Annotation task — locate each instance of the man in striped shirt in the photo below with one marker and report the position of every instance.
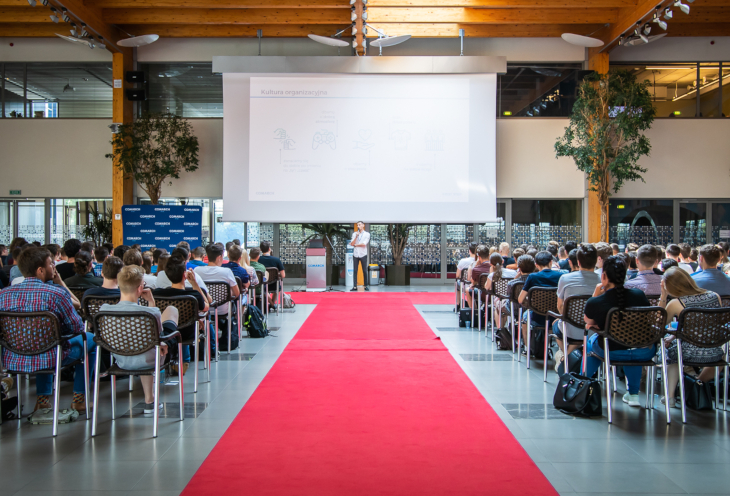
(35, 294)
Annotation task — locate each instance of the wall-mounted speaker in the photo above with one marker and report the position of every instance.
(136, 95)
(134, 76)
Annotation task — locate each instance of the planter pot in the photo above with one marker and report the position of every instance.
(334, 275)
(397, 275)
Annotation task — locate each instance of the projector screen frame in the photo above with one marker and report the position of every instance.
(323, 66)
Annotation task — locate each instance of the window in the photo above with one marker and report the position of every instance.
(6, 222)
(693, 223)
(641, 222)
(458, 237)
(720, 222)
(536, 222)
(494, 233)
(69, 218)
(538, 90)
(184, 89)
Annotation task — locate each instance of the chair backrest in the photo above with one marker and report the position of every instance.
(187, 308)
(636, 327)
(219, 291)
(574, 310)
(465, 275)
(483, 280)
(500, 286)
(29, 333)
(704, 327)
(653, 299)
(516, 290)
(239, 282)
(543, 300)
(92, 304)
(126, 333)
(260, 277)
(78, 292)
(273, 275)
(725, 300)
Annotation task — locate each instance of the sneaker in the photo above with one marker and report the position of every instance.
(353, 289)
(367, 288)
(149, 408)
(558, 359)
(631, 399)
(672, 402)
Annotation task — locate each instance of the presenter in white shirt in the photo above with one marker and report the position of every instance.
(360, 242)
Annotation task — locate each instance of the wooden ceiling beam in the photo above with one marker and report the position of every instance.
(95, 24)
(505, 4)
(220, 16)
(492, 16)
(216, 4)
(708, 29)
(232, 30)
(31, 30)
(241, 4)
(451, 30)
(25, 14)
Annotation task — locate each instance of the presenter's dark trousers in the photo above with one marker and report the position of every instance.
(364, 262)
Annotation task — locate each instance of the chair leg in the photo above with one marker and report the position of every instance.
(131, 383)
(607, 364)
(114, 396)
(20, 396)
(613, 372)
(472, 308)
(494, 307)
(207, 348)
(230, 323)
(86, 376)
(664, 381)
(681, 381)
(519, 335)
(545, 357)
(180, 385)
(512, 324)
(197, 357)
(97, 368)
(528, 335)
(239, 318)
(717, 388)
(585, 351)
(57, 391)
(215, 329)
(156, 401)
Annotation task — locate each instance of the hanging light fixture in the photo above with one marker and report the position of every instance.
(668, 13)
(682, 6)
(658, 20)
(54, 15)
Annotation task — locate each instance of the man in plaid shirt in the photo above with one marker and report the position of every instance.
(36, 295)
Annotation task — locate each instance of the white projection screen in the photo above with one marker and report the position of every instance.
(375, 147)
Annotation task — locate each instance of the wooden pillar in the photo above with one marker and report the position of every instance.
(359, 25)
(122, 114)
(597, 61)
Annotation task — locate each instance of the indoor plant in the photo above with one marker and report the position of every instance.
(397, 274)
(328, 233)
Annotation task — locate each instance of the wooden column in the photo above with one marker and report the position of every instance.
(598, 62)
(122, 114)
(359, 25)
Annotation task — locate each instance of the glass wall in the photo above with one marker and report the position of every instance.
(538, 90)
(458, 237)
(422, 252)
(494, 233)
(720, 222)
(69, 218)
(641, 222)
(184, 89)
(693, 223)
(7, 217)
(31, 224)
(536, 222)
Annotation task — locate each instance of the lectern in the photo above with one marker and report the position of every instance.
(316, 266)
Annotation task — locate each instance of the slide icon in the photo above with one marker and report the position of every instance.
(324, 138)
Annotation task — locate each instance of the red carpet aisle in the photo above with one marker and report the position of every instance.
(417, 298)
(367, 403)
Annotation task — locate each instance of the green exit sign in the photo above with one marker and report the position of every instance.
(14, 191)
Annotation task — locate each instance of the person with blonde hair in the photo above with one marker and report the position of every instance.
(492, 249)
(679, 284)
(246, 264)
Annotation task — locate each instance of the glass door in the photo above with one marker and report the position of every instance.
(7, 215)
(720, 222)
(31, 220)
(693, 223)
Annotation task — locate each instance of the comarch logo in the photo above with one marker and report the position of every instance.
(192, 223)
(160, 209)
(177, 216)
(315, 265)
(147, 231)
(137, 238)
(192, 210)
(190, 238)
(146, 216)
(132, 209)
(162, 239)
(132, 223)
(177, 231)
(162, 223)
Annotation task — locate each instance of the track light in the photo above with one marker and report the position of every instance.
(54, 15)
(32, 3)
(64, 15)
(74, 31)
(647, 29)
(365, 15)
(529, 113)
(543, 105)
(353, 16)
(84, 32)
(620, 40)
(68, 87)
(658, 21)
(668, 13)
(101, 44)
(682, 6)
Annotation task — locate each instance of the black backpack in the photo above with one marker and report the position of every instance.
(575, 362)
(503, 339)
(464, 317)
(254, 323)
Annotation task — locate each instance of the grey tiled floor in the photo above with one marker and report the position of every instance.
(638, 454)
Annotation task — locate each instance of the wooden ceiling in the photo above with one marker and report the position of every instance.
(607, 19)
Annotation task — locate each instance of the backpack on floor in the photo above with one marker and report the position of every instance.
(575, 362)
(537, 341)
(503, 339)
(288, 302)
(254, 323)
(464, 317)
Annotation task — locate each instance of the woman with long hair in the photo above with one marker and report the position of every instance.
(246, 264)
(84, 269)
(680, 285)
(610, 293)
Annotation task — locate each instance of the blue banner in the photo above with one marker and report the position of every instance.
(162, 226)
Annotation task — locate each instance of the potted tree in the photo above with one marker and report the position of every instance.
(397, 274)
(605, 135)
(99, 226)
(154, 149)
(328, 233)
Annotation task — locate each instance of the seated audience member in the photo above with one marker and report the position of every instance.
(646, 279)
(582, 282)
(120, 250)
(525, 267)
(465, 262)
(611, 293)
(724, 264)
(674, 252)
(147, 263)
(109, 247)
(573, 260)
(255, 254)
(16, 277)
(178, 274)
(563, 259)
(569, 246)
(482, 266)
(604, 251)
(197, 256)
(694, 257)
(70, 248)
(62, 257)
(632, 247)
(161, 263)
(133, 257)
(3, 254)
(667, 263)
(553, 250)
(492, 249)
(633, 268)
(131, 287)
(496, 270)
(532, 251)
(137, 247)
(680, 285)
(88, 246)
(710, 277)
(545, 278)
(504, 251)
(100, 254)
(156, 254)
(235, 253)
(615, 248)
(215, 271)
(237, 242)
(662, 252)
(164, 282)
(685, 262)
(54, 250)
(35, 295)
(84, 278)
(110, 269)
(246, 264)
(268, 260)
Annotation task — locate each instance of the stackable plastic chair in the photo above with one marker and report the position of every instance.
(78, 292)
(476, 299)
(514, 295)
(704, 328)
(539, 300)
(725, 301)
(35, 333)
(635, 327)
(500, 286)
(573, 312)
(462, 284)
(274, 280)
(220, 292)
(188, 316)
(239, 306)
(131, 334)
(262, 285)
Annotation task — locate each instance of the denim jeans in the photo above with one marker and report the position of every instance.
(633, 374)
(44, 382)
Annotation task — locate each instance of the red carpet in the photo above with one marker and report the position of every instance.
(385, 415)
(417, 298)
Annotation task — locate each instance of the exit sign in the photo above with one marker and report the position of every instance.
(14, 191)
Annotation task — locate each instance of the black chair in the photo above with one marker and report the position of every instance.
(540, 300)
(35, 333)
(220, 292)
(725, 301)
(704, 328)
(274, 279)
(239, 306)
(573, 312)
(131, 334)
(78, 292)
(188, 316)
(499, 289)
(476, 301)
(260, 286)
(514, 295)
(635, 327)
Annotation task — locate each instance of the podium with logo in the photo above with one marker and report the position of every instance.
(316, 266)
(162, 226)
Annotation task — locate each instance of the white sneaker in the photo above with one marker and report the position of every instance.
(559, 355)
(672, 402)
(631, 399)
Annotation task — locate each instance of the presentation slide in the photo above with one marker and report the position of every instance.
(374, 147)
(305, 132)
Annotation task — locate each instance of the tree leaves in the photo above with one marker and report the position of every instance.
(398, 237)
(153, 148)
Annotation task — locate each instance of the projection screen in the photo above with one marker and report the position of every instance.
(332, 147)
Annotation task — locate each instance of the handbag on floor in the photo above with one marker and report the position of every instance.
(578, 395)
(503, 339)
(464, 317)
(697, 394)
(288, 302)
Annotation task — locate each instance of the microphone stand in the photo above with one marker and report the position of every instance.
(330, 289)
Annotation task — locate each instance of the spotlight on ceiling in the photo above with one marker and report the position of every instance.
(668, 13)
(54, 15)
(647, 29)
(682, 6)
(326, 40)
(101, 44)
(32, 3)
(68, 87)
(84, 32)
(82, 41)
(529, 113)
(64, 15)
(138, 41)
(74, 31)
(579, 40)
(658, 21)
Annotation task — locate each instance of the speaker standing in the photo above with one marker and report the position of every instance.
(360, 242)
